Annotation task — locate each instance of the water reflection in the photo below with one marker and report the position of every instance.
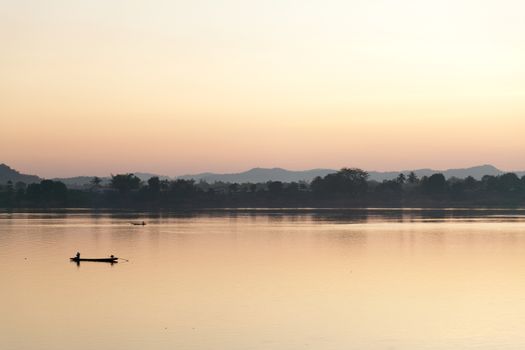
(344, 215)
(260, 279)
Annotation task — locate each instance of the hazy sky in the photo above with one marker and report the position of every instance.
(173, 87)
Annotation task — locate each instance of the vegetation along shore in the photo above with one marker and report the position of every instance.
(348, 187)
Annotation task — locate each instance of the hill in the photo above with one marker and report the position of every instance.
(9, 174)
(476, 172)
(259, 175)
(279, 174)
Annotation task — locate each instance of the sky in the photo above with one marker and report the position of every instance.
(175, 87)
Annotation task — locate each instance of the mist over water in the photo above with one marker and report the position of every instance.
(264, 279)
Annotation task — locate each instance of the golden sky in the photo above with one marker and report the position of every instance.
(173, 87)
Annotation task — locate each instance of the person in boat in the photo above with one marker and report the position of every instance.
(112, 256)
(78, 255)
(143, 223)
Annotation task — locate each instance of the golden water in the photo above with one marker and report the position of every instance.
(264, 280)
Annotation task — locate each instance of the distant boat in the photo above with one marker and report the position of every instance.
(107, 260)
(139, 223)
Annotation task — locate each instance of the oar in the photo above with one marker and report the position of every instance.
(123, 259)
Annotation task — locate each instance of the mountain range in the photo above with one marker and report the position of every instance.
(259, 175)
(6, 174)
(279, 174)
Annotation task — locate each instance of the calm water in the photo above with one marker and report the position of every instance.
(264, 280)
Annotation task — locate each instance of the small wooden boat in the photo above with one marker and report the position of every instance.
(107, 260)
(139, 223)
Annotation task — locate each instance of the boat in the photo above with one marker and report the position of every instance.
(107, 260)
(139, 223)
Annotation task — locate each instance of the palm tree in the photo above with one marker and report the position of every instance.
(96, 181)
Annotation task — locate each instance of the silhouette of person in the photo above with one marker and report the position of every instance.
(78, 255)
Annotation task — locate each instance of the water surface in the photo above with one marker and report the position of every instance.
(365, 279)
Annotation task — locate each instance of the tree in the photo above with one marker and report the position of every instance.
(436, 183)
(348, 181)
(164, 185)
(389, 187)
(20, 188)
(401, 178)
(124, 183)
(53, 190)
(353, 180)
(10, 192)
(317, 185)
(275, 187)
(233, 188)
(154, 184)
(470, 183)
(20, 185)
(508, 182)
(9, 187)
(355, 175)
(183, 188)
(95, 182)
(412, 178)
(490, 183)
(293, 187)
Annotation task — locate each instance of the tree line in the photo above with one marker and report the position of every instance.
(349, 187)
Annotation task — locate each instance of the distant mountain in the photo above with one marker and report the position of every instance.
(261, 175)
(258, 175)
(9, 174)
(476, 172)
(279, 174)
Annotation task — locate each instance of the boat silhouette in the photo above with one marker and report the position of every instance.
(112, 260)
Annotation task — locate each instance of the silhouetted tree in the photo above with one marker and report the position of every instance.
(183, 188)
(20, 185)
(47, 192)
(125, 182)
(401, 178)
(470, 183)
(490, 183)
(412, 178)
(436, 183)
(53, 190)
(346, 181)
(354, 180)
(233, 188)
(457, 187)
(333, 189)
(508, 182)
(20, 188)
(275, 187)
(164, 185)
(389, 187)
(10, 191)
(154, 184)
(96, 181)
(292, 187)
